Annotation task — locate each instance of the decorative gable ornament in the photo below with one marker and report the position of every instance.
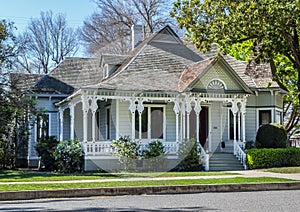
(216, 84)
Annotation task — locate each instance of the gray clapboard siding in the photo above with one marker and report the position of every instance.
(170, 123)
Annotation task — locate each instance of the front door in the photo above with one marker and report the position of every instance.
(203, 125)
(203, 131)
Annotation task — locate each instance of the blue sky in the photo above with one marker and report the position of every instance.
(20, 11)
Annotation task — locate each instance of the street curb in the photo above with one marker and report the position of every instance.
(148, 190)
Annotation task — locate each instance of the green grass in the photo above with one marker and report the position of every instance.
(26, 176)
(52, 186)
(285, 170)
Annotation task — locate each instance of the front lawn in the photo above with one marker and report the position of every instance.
(31, 176)
(52, 186)
(285, 170)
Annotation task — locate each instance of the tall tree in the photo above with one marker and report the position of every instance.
(13, 105)
(110, 26)
(46, 42)
(272, 26)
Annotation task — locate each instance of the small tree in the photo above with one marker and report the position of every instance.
(45, 148)
(69, 156)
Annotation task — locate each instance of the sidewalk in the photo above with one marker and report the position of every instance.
(150, 190)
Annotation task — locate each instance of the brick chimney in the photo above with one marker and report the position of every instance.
(137, 35)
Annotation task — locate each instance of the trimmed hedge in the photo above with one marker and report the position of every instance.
(270, 157)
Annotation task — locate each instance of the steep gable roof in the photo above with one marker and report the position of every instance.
(199, 75)
(155, 65)
(51, 85)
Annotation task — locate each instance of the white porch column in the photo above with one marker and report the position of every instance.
(71, 106)
(132, 109)
(183, 114)
(197, 110)
(94, 108)
(176, 109)
(85, 113)
(188, 111)
(61, 122)
(140, 109)
(243, 111)
(234, 109)
(239, 125)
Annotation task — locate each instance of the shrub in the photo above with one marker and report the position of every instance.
(45, 149)
(69, 156)
(126, 150)
(154, 155)
(271, 136)
(189, 156)
(268, 158)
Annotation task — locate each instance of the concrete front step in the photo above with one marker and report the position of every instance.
(224, 162)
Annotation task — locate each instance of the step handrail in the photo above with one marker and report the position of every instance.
(239, 153)
(205, 157)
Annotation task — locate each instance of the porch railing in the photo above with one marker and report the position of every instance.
(239, 153)
(100, 148)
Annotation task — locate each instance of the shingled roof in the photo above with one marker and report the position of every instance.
(159, 63)
(155, 65)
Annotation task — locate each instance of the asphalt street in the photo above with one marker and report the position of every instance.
(287, 200)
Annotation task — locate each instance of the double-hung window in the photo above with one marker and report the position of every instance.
(152, 122)
(42, 126)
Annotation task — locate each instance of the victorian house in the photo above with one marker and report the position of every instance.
(162, 90)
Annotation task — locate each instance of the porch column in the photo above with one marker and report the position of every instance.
(85, 113)
(140, 109)
(94, 108)
(183, 113)
(234, 109)
(132, 109)
(176, 109)
(61, 127)
(71, 106)
(243, 111)
(188, 111)
(239, 125)
(197, 110)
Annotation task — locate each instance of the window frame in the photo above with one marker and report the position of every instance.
(258, 115)
(38, 128)
(149, 130)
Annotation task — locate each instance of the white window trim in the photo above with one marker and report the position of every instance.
(272, 109)
(281, 111)
(149, 122)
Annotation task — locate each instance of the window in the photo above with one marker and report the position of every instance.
(152, 119)
(42, 126)
(264, 117)
(278, 116)
(107, 123)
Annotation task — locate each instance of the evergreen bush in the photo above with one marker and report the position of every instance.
(189, 156)
(271, 136)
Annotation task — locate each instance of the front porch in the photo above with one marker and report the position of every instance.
(96, 118)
